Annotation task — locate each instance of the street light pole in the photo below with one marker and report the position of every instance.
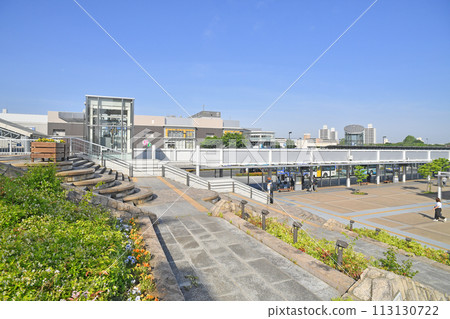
(289, 140)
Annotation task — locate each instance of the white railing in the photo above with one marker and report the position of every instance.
(279, 157)
(10, 146)
(218, 185)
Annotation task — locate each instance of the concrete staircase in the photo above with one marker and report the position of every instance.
(91, 176)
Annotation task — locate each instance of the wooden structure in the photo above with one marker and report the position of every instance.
(49, 150)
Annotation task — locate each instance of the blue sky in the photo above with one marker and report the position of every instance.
(392, 69)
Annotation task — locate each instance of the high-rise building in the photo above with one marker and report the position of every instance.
(370, 135)
(333, 134)
(324, 133)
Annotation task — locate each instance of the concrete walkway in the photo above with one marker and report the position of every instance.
(213, 260)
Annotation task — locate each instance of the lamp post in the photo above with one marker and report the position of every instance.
(297, 226)
(340, 246)
(289, 140)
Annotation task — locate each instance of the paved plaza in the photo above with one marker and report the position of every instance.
(402, 209)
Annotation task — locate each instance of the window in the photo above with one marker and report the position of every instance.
(59, 132)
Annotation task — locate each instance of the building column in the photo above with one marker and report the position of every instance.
(197, 166)
(348, 176)
(378, 174)
(404, 174)
(439, 184)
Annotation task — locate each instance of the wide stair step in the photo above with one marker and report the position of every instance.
(100, 170)
(105, 180)
(76, 175)
(140, 197)
(79, 163)
(118, 191)
(88, 164)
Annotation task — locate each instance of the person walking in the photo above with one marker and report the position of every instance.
(270, 189)
(314, 184)
(438, 211)
(291, 181)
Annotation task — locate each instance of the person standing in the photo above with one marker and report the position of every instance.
(291, 180)
(438, 211)
(368, 177)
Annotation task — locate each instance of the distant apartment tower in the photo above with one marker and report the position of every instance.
(370, 136)
(333, 134)
(324, 133)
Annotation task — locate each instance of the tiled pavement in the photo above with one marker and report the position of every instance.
(213, 260)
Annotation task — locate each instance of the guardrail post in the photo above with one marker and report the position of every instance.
(209, 186)
(130, 170)
(232, 186)
(251, 193)
(163, 170)
(187, 179)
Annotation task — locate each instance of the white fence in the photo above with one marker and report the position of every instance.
(278, 157)
(218, 185)
(9, 146)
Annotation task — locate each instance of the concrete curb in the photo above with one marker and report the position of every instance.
(166, 284)
(329, 275)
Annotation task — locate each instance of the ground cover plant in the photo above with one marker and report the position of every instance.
(353, 264)
(53, 249)
(412, 246)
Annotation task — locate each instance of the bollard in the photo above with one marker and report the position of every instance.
(296, 226)
(264, 213)
(377, 230)
(351, 224)
(340, 246)
(243, 202)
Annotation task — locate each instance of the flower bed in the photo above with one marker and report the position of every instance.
(53, 249)
(412, 246)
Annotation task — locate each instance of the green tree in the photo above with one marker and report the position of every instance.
(234, 140)
(360, 173)
(430, 169)
(211, 142)
(342, 141)
(290, 144)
